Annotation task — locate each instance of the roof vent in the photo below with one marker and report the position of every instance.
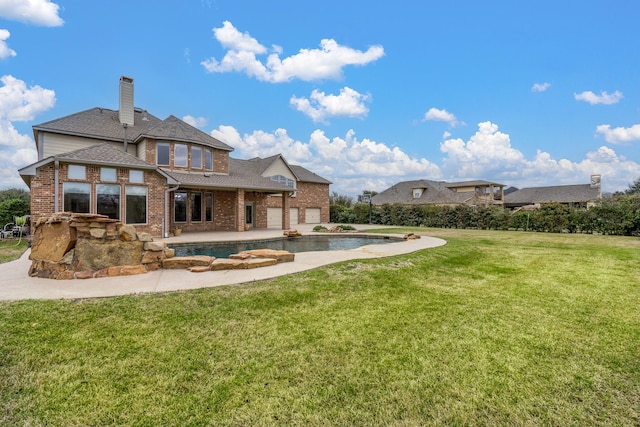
(126, 101)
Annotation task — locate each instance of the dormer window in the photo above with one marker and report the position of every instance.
(417, 193)
(283, 180)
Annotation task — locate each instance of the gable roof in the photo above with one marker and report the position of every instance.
(102, 154)
(434, 192)
(104, 124)
(559, 194)
(474, 183)
(174, 129)
(259, 166)
(99, 123)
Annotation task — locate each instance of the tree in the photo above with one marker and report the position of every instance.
(15, 193)
(340, 200)
(634, 188)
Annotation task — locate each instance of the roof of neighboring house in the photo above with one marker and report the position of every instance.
(475, 183)
(104, 124)
(102, 154)
(558, 194)
(434, 192)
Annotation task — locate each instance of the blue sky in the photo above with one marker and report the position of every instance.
(364, 93)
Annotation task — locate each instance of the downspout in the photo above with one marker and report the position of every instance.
(56, 179)
(165, 232)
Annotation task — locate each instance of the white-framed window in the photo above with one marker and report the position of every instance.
(196, 206)
(196, 157)
(136, 204)
(136, 176)
(77, 172)
(417, 193)
(208, 159)
(180, 206)
(162, 153)
(108, 174)
(77, 197)
(208, 207)
(180, 154)
(283, 180)
(108, 200)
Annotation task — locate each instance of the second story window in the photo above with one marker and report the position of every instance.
(283, 180)
(180, 155)
(196, 157)
(162, 153)
(208, 159)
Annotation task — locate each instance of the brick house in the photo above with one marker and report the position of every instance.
(159, 175)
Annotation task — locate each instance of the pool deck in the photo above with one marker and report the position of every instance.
(17, 285)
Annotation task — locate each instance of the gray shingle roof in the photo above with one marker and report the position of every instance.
(104, 154)
(475, 183)
(104, 124)
(305, 175)
(100, 123)
(239, 177)
(435, 192)
(559, 194)
(174, 129)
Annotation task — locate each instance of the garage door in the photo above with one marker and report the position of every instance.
(293, 216)
(274, 217)
(312, 216)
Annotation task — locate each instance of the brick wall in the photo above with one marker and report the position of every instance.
(43, 193)
(220, 157)
(308, 195)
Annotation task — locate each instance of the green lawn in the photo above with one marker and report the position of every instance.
(11, 249)
(495, 328)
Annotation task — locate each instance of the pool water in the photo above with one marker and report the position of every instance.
(293, 245)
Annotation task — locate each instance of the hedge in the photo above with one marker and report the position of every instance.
(618, 215)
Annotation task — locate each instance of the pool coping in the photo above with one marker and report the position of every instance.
(17, 285)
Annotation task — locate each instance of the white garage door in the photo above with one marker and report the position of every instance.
(312, 216)
(293, 216)
(274, 217)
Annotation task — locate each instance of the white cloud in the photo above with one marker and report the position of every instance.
(435, 114)
(37, 12)
(603, 98)
(5, 50)
(489, 155)
(19, 103)
(232, 39)
(308, 64)
(540, 87)
(198, 122)
(319, 106)
(351, 164)
(620, 134)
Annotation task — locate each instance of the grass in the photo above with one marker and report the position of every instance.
(11, 250)
(495, 328)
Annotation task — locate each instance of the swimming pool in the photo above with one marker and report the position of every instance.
(298, 244)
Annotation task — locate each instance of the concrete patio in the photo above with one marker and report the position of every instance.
(17, 285)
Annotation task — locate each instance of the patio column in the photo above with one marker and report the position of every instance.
(239, 210)
(286, 211)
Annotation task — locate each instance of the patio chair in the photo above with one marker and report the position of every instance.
(7, 230)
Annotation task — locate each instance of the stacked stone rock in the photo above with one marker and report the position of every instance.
(81, 246)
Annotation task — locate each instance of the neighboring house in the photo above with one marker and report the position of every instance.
(159, 175)
(583, 195)
(426, 192)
